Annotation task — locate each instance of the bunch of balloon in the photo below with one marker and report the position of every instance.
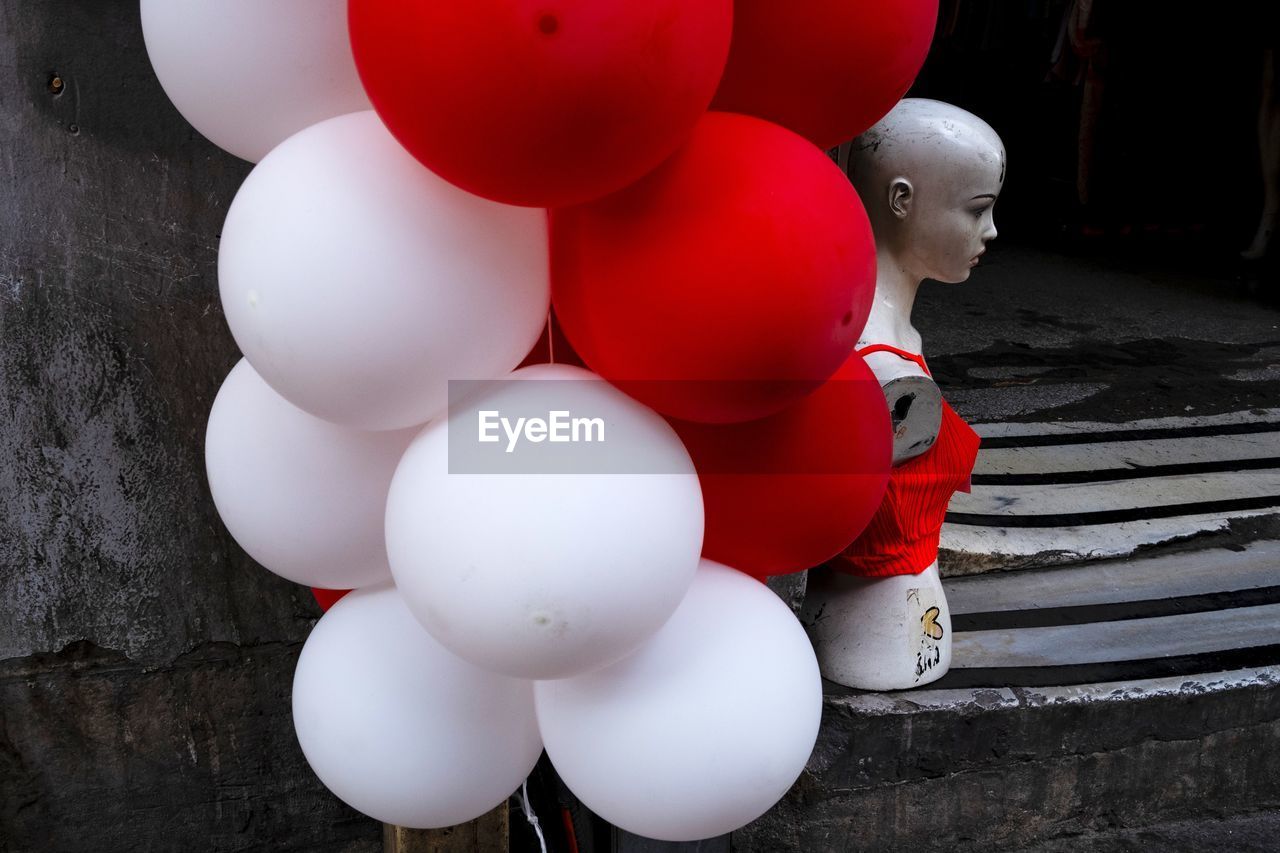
(430, 178)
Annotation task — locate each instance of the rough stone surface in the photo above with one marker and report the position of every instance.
(1006, 769)
(112, 346)
(99, 753)
(1252, 833)
(145, 661)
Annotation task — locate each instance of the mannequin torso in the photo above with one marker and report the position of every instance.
(929, 174)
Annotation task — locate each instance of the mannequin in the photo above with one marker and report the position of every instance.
(929, 174)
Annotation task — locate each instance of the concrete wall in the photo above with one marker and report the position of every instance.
(145, 661)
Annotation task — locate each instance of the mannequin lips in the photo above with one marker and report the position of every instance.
(973, 262)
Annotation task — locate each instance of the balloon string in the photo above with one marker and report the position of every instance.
(530, 816)
(551, 339)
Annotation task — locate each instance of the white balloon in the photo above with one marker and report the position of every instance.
(306, 498)
(545, 575)
(357, 283)
(400, 729)
(704, 728)
(250, 73)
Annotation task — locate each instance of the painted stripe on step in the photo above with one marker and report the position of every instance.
(1079, 519)
(988, 696)
(1119, 611)
(1110, 672)
(1005, 428)
(1054, 440)
(1104, 642)
(1126, 455)
(1051, 545)
(1113, 474)
(1170, 575)
(1073, 499)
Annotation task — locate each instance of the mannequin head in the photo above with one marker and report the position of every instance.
(929, 174)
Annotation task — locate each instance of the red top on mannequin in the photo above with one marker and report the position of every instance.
(902, 538)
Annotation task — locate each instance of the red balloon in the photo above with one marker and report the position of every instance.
(540, 103)
(827, 69)
(326, 598)
(790, 491)
(724, 286)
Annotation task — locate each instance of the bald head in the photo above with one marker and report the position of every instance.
(919, 171)
(919, 135)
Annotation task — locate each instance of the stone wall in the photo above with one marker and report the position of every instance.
(145, 660)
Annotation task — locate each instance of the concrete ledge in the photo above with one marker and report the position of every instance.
(100, 753)
(1000, 769)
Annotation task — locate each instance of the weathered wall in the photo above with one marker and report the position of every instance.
(145, 661)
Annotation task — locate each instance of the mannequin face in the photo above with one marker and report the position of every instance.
(948, 215)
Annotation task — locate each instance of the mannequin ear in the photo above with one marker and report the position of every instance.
(901, 194)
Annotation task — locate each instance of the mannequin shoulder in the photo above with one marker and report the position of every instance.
(888, 366)
(915, 409)
(914, 401)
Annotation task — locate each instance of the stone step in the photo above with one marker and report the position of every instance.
(1168, 576)
(1179, 635)
(1084, 701)
(1058, 504)
(1110, 694)
(1050, 493)
(1002, 769)
(1212, 609)
(1104, 460)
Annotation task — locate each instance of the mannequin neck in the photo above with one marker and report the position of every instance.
(890, 318)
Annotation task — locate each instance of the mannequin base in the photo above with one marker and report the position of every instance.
(889, 633)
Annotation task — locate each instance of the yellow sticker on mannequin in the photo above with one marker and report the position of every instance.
(924, 629)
